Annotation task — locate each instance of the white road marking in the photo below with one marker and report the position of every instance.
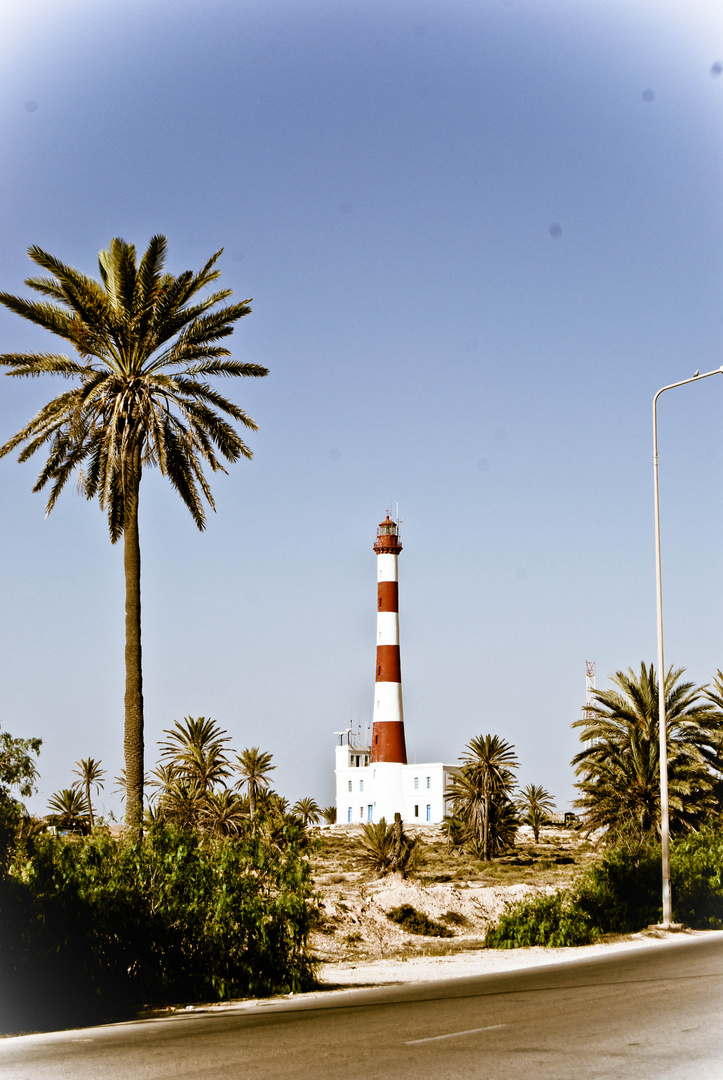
(455, 1034)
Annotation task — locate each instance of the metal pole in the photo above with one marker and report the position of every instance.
(662, 718)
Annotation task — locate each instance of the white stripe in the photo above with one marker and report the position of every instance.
(388, 701)
(386, 567)
(455, 1034)
(387, 628)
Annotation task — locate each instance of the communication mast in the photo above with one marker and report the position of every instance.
(587, 709)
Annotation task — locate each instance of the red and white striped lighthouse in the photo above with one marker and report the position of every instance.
(388, 716)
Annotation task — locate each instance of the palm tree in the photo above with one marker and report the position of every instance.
(224, 813)
(194, 752)
(482, 787)
(68, 810)
(329, 814)
(619, 767)
(254, 766)
(308, 810)
(144, 353)
(386, 849)
(91, 775)
(535, 805)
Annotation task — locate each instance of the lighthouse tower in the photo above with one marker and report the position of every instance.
(374, 781)
(388, 715)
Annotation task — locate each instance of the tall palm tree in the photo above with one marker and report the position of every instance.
(146, 346)
(619, 766)
(483, 785)
(91, 775)
(535, 804)
(254, 766)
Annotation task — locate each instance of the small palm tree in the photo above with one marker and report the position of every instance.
(308, 810)
(68, 810)
(194, 751)
(619, 767)
(386, 849)
(535, 805)
(484, 784)
(328, 813)
(254, 766)
(146, 346)
(224, 813)
(183, 802)
(91, 775)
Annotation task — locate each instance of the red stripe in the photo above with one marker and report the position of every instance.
(388, 741)
(389, 667)
(388, 596)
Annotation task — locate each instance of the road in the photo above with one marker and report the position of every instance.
(653, 1014)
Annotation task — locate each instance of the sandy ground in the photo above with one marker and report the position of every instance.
(421, 969)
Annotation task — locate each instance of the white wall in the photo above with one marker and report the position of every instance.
(380, 790)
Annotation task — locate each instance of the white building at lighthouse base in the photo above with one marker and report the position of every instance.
(368, 791)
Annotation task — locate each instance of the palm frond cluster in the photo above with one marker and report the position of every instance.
(144, 354)
(200, 783)
(387, 849)
(619, 765)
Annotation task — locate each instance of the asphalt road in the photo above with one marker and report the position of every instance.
(653, 1014)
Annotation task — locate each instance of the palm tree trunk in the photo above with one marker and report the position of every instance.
(90, 805)
(133, 741)
(486, 829)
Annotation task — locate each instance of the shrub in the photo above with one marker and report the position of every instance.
(416, 922)
(696, 885)
(622, 895)
(545, 920)
(94, 928)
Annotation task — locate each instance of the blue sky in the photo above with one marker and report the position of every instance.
(478, 238)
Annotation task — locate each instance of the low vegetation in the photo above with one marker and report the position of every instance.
(416, 922)
(622, 894)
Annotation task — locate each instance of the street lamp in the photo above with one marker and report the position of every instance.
(662, 720)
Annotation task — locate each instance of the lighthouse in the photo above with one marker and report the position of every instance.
(373, 778)
(388, 742)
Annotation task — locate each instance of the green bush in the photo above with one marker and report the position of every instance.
(696, 866)
(416, 922)
(622, 895)
(92, 928)
(545, 920)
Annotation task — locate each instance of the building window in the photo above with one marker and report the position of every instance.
(429, 812)
(350, 785)
(416, 810)
(361, 813)
(348, 815)
(370, 812)
(416, 782)
(366, 759)
(361, 785)
(429, 782)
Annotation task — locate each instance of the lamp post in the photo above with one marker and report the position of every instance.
(662, 719)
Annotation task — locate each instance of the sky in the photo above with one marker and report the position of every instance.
(479, 236)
